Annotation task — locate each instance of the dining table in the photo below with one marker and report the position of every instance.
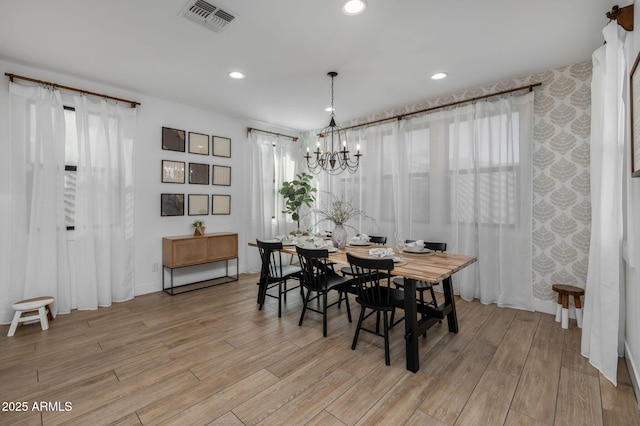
(429, 266)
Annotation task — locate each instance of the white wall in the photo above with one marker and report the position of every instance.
(152, 115)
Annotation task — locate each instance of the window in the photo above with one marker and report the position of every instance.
(70, 166)
(485, 165)
(419, 168)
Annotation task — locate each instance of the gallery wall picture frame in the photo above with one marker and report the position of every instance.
(221, 146)
(172, 171)
(634, 90)
(220, 204)
(173, 139)
(198, 204)
(199, 173)
(198, 143)
(221, 175)
(171, 204)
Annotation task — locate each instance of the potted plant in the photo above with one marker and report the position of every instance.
(199, 227)
(298, 193)
(339, 211)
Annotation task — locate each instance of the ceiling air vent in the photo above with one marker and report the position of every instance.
(207, 14)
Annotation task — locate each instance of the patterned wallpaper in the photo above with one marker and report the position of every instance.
(561, 191)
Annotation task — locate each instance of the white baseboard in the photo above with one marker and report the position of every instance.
(147, 288)
(550, 307)
(633, 373)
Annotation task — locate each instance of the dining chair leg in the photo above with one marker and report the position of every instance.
(305, 300)
(433, 297)
(262, 289)
(324, 314)
(355, 336)
(280, 299)
(346, 302)
(387, 357)
(423, 315)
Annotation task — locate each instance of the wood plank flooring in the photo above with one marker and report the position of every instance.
(211, 357)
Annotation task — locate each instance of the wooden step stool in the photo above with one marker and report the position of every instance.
(562, 309)
(35, 309)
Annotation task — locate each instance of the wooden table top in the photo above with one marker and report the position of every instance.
(432, 267)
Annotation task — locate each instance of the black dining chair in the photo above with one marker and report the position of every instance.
(319, 278)
(422, 286)
(346, 270)
(275, 273)
(372, 281)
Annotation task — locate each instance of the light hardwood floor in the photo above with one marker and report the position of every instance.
(211, 357)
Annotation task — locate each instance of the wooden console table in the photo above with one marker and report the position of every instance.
(189, 250)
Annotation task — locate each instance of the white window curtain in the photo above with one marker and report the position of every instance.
(34, 261)
(39, 257)
(602, 331)
(461, 176)
(104, 203)
(273, 161)
(490, 197)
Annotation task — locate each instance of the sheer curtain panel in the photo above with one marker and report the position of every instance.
(36, 262)
(602, 331)
(104, 203)
(273, 161)
(490, 198)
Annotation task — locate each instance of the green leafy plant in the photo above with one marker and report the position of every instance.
(198, 223)
(298, 193)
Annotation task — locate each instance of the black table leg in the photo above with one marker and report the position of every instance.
(449, 299)
(411, 325)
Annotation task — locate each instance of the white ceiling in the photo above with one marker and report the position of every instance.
(384, 57)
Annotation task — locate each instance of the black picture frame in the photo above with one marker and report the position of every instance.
(199, 173)
(171, 204)
(198, 204)
(221, 146)
(172, 171)
(173, 139)
(220, 204)
(198, 143)
(221, 175)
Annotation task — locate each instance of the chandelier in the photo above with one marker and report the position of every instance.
(334, 156)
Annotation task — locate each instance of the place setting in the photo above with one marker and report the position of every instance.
(415, 247)
(386, 253)
(360, 240)
(317, 243)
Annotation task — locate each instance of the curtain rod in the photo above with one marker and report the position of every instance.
(86, 92)
(251, 129)
(402, 116)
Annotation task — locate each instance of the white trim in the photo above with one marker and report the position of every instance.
(633, 373)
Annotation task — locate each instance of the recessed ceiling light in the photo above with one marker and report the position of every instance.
(439, 76)
(236, 75)
(354, 7)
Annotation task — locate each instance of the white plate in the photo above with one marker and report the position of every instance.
(359, 243)
(396, 259)
(332, 249)
(416, 250)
